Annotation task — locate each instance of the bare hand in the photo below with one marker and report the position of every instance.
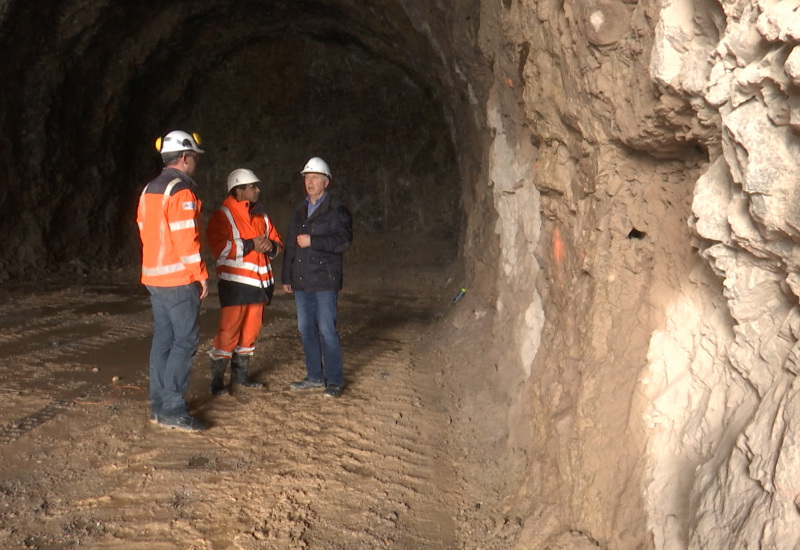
(262, 244)
(203, 288)
(287, 288)
(304, 241)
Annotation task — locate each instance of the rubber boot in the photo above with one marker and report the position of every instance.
(239, 365)
(217, 376)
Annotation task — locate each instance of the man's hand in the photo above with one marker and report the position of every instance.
(203, 288)
(287, 288)
(304, 241)
(262, 244)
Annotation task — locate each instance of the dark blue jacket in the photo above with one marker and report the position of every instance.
(318, 267)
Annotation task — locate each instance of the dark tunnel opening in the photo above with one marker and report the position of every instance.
(267, 86)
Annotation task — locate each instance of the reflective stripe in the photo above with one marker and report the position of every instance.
(193, 259)
(259, 276)
(186, 224)
(165, 261)
(244, 351)
(227, 212)
(162, 228)
(237, 237)
(219, 354)
(168, 189)
(249, 266)
(161, 270)
(237, 240)
(245, 280)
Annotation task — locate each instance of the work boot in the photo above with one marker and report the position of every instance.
(239, 365)
(217, 376)
(183, 422)
(306, 384)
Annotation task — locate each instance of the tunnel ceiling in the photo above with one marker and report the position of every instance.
(98, 81)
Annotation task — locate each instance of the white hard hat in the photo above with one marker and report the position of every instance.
(177, 141)
(241, 176)
(317, 166)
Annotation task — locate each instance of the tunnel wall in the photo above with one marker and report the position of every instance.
(741, 412)
(643, 172)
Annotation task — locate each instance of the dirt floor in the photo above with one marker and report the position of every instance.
(83, 467)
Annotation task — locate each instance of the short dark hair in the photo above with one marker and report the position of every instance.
(232, 192)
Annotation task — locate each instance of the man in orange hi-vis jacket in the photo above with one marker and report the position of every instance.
(243, 240)
(175, 275)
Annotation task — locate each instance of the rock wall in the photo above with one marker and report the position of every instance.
(643, 172)
(740, 419)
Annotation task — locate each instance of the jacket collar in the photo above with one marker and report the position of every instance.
(240, 207)
(322, 206)
(175, 173)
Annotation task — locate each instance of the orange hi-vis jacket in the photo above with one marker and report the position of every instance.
(228, 228)
(169, 226)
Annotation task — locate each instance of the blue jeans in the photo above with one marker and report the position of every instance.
(316, 319)
(176, 335)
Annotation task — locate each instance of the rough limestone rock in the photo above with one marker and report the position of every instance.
(743, 486)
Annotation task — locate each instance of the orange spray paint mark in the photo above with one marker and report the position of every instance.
(558, 248)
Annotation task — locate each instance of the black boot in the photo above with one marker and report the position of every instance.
(239, 365)
(217, 376)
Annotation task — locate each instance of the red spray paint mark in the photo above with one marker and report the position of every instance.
(558, 248)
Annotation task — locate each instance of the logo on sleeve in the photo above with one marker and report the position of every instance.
(189, 205)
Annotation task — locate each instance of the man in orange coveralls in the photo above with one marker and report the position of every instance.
(243, 240)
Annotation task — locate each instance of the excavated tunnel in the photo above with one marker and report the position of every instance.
(612, 181)
(266, 85)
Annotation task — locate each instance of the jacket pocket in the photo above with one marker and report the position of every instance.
(323, 269)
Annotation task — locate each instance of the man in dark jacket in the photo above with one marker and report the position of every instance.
(320, 230)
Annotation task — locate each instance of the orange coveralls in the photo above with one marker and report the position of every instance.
(245, 276)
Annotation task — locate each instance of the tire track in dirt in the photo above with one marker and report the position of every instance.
(40, 333)
(277, 469)
(17, 428)
(56, 340)
(69, 325)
